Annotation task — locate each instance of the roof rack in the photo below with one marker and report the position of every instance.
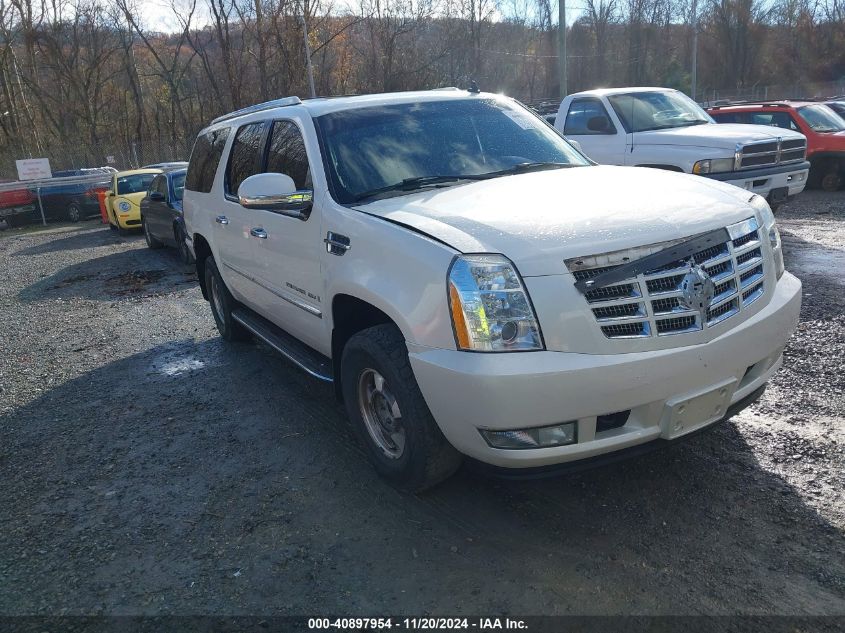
(267, 105)
(770, 102)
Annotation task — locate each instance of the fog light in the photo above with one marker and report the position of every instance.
(538, 437)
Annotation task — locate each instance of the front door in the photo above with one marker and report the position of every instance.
(232, 224)
(287, 249)
(588, 122)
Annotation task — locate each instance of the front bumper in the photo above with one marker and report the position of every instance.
(469, 391)
(763, 181)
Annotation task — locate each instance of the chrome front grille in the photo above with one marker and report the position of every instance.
(767, 153)
(650, 304)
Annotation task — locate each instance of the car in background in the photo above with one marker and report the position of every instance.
(74, 201)
(824, 129)
(161, 213)
(17, 206)
(838, 106)
(664, 129)
(123, 200)
(176, 164)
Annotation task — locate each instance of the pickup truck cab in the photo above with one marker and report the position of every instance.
(475, 287)
(818, 122)
(663, 128)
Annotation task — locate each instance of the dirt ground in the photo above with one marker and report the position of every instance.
(149, 468)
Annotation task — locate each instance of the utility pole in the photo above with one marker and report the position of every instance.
(561, 46)
(694, 48)
(308, 55)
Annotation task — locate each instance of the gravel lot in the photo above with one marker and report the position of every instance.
(148, 468)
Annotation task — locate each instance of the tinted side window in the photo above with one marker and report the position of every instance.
(728, 117)
(245, 157)
(579, 115)
(160, 185)
(204, 160)
(286, 154)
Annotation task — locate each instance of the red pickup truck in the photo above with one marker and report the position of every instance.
(16, 205)
(824, 129)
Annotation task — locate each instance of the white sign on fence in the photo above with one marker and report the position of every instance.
(110, 160)
(33, 168)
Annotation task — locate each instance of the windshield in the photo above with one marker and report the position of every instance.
(643, 111)
(821, 118)
(178, 185)
(366, 149)
(134, 183)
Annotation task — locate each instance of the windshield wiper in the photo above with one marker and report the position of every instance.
(524, 168)
(411, 184)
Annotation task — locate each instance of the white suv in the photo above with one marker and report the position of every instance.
(475, 287)
(665, 129)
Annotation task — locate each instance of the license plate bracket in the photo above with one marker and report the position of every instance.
(691, 412)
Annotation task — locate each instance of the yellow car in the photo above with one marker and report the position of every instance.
(123, 200)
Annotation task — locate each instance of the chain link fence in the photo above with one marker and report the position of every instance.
(71, 194)
(803, 90)
(71, 156)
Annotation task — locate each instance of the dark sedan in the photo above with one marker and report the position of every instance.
(77, 201)
(161, 213)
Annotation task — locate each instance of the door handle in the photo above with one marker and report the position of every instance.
(259, 233)
(221, 219)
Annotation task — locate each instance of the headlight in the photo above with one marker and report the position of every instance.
(124, 206)
(713, 166)
(770, 229)
(490, 308)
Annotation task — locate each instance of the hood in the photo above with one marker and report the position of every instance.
(715, 135)
(134, 198)
(540, 219)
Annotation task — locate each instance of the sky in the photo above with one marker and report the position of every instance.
(158, 14)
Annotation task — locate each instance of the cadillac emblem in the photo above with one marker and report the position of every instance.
(697, 290)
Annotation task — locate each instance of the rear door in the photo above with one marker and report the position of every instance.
(588, 122)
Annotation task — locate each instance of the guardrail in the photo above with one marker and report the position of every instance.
(41, 183)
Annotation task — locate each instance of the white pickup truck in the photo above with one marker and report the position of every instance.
(476, 287)
(663, 128)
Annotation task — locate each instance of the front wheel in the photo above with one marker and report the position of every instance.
(151, 240)
(222, 303)
(390, 415)
(831, 181)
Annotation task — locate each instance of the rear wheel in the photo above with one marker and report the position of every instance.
(390, 415)
(222, 303)
(74, 212)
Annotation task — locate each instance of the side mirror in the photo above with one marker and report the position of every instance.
(275, 192)
(575, 144)
(156, 196)
(598, 124)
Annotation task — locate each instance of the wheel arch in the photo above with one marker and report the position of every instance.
(350, 315)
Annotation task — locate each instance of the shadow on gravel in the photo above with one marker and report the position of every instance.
(82, 235)
(129, 273)
(213, 478)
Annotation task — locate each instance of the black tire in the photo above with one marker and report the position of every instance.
(426, 457)
(831, 181)
(152, 241)
(184, 251)
(74, 212)
(222, 303)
